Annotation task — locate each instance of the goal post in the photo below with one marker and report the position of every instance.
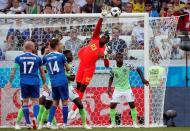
(43, 27)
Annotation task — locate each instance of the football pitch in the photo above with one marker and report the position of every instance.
(114, 129)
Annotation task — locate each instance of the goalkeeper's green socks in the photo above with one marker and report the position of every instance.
(41, 110)
(19, 116)
(112, 116)
(134, 114)
(83, 116)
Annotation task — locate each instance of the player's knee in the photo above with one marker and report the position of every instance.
(83, 88)
(35, 101)
(48, 104)
(65, 102)
(42, 100)
(132, 105)
(78, 103)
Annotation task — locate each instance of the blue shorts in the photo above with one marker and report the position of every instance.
(60, 92)
(30, 91)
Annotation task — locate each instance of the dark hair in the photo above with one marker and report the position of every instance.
(43, 50)
(54, 43)
(48, 5)
(66, 52)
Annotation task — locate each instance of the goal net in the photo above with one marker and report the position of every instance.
(144, 42)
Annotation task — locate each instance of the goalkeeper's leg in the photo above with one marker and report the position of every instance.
(77, 101)
(82, 112)
(83, 78)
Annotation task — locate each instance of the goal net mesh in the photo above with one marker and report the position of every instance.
(127, 37)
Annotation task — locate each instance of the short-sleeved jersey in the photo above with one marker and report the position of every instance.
(55, 62)
(71, 72)
(156, 76)
(89, 54)
(29, 64)
(121, 76)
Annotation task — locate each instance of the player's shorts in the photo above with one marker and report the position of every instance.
(119, 96)
(72, 93)
(30, 91)
(85, 74)
(60, 92)
(48, 95)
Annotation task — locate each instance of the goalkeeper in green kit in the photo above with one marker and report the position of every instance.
(119, 75)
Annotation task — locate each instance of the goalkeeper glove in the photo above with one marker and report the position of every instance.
(104, 13)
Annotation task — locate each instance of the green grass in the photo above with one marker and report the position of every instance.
(114, 129)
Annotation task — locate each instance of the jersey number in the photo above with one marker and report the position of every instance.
(26, 64)
(55, 67)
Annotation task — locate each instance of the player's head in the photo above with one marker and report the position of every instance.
(68, 54)
(104, 38)
(55, 44)
(119, 59)
(45, 50)
(29, 46)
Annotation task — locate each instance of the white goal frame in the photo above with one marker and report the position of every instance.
(145, 17)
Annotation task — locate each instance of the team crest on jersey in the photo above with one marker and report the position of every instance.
(93, 46)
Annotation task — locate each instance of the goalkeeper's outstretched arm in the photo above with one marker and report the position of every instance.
(142, 76)
(98, 27)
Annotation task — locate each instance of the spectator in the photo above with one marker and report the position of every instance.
(81, 3)
(5, 4)
(117, 44)
(90, 7)
(184, 21)
(168, 10)
(74, 43)
(138, 5)
(32, 7)
(138, 36)
(20, 34)
(67, 8)
(16, 8)
(128, 8)
(149, 9)
(176, 52)
(10, 45)
(116, 3)
(48, 9)
(76, 7)
(179, 6)
(56, 5)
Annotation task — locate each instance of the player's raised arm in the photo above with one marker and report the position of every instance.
(98, 27)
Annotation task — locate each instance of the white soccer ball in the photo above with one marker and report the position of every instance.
(115, 11)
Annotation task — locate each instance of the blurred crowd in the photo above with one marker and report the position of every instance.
(156, 8)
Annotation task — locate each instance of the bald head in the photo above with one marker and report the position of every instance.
(29, 46)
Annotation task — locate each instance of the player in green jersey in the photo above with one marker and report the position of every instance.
(73, 96)
(119, 75)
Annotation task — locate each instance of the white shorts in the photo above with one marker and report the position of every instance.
(72, 93)
(119, 96)
(48, 95)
